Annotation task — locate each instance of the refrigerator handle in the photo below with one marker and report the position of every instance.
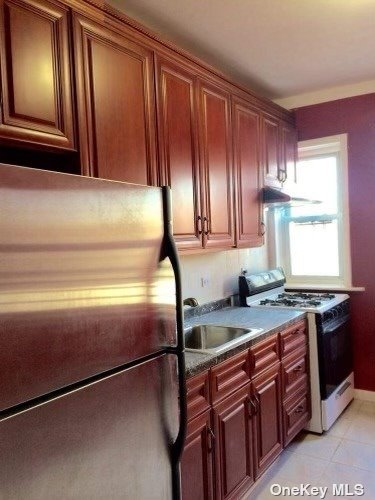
(169, 250)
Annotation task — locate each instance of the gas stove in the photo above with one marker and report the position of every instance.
(331, 375)
(309, 302)
(267, 290)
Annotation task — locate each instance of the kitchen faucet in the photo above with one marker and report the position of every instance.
(191, 301)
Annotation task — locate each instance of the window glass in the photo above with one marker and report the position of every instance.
(313, 228)
(314, 248)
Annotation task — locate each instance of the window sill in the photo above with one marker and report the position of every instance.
(324, 287)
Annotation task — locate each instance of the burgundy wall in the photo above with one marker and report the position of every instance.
(356, 117)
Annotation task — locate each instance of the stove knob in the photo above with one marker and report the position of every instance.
(329, 315)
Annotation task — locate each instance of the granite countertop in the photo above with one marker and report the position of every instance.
(270, 320)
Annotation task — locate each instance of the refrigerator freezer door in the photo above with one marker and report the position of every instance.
(109, 440)
(81, 287)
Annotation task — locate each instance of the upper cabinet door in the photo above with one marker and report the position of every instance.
(216, 163)
(271, 151)
(115, 93)
(247, 168)
(178, 149)
(289, 152)
(36, 104)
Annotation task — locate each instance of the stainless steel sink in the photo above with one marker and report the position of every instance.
(215, 339)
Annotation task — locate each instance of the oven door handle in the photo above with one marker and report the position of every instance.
(336, 325)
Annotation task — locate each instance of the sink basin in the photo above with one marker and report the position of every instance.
(215, 339)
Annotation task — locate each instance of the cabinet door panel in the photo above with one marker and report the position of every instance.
(247, 142)
(197, 460)
(178, 148)
(289, 143)
(271, 152)
(234, 458)
(36, 85)
(297, 412)
(216, 160)
(268, 420)
(115, 92)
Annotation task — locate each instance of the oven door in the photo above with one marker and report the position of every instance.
(335, 355)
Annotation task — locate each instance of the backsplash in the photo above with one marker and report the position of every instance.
(219, 271)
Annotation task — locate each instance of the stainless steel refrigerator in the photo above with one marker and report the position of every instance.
(92, 391)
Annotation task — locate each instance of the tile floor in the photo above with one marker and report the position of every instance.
(345, 454)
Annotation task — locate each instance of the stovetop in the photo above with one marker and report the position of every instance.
(309, 302)
(266, 289)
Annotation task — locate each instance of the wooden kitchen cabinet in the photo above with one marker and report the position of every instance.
(195, 152)
(296, 414)
(248, 178)
(279, 152)
(215, 139)
(259, 400)
(295, 380)
(233, 444)
(271, 151)
(178, 148)
(36, 85)
(115, 98)
(197, 460)
(288, 152)
(268, 435)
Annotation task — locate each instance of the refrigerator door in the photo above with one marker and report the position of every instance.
(82, 290)
(108, 440)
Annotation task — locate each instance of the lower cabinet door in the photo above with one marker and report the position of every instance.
(233, 445)
(197, 460)
(268, 441)
(296, 414)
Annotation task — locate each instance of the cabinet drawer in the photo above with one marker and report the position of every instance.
(229, 376)
(292, 338)
(198, 394)
(263, 355)
(295, 369)
(296, 414)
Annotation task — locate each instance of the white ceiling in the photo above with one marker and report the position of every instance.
(279, 48)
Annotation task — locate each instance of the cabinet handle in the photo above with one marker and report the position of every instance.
(282, 176)
(299, 409)
(199, 224)
(250, 407)
(298, 368)
(206, 225)
(263, 229)
(211, 438)
(256, 404)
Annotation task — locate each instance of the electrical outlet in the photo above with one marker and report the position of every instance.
(205, 281)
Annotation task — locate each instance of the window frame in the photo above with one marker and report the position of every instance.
(315, 148)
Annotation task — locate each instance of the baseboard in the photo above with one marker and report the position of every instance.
(364, 395)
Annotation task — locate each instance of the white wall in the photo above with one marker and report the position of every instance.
(222, 269)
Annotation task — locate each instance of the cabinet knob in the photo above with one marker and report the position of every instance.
(298, 368)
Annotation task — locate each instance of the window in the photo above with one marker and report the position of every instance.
(315, 237)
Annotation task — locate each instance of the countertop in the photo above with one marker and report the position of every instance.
(270, 320)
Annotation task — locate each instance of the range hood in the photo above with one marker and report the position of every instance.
(273, 196)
